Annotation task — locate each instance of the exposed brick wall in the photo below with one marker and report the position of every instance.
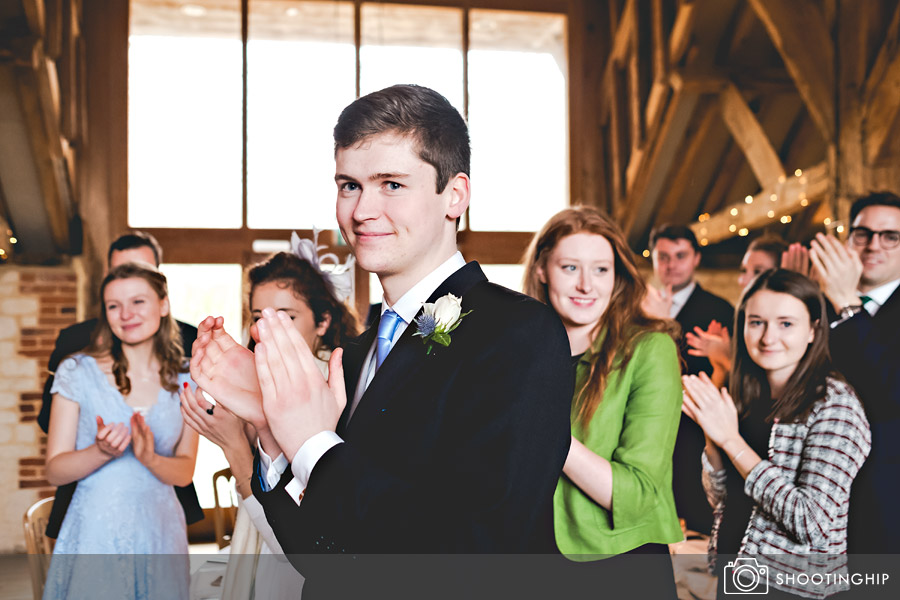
(35, 304)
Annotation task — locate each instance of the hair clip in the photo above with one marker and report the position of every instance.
(338, 277)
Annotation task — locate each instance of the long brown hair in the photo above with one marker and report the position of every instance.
(289, 271)
(807, 383)
(624, 320)
(166, 341)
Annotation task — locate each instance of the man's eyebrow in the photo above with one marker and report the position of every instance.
(377, 176)
(342, 177)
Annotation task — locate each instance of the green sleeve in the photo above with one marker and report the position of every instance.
(642, 461)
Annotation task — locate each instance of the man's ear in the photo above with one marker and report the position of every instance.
(696, 258)
(458, 189)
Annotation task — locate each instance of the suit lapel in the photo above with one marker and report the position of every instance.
(355, 352)
(408, 354)
(890, 310)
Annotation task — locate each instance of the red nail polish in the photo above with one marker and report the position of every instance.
(185, 385)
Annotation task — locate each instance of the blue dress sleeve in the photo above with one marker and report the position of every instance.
(67, 380)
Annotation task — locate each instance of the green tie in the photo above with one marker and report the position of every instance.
(865, 299)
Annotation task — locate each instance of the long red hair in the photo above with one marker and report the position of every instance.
(624, 320)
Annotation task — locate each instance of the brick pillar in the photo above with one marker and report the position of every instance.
(35, 304)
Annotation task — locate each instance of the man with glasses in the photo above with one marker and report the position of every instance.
(861, 281)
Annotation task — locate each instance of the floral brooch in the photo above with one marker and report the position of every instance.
(438, 319)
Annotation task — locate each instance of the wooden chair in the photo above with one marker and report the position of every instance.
(38, 545)
(224, 514)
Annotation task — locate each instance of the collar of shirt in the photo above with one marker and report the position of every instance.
(410, 302)
(680, 298)
(880, 295)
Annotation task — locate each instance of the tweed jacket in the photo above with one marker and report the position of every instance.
(801, 492)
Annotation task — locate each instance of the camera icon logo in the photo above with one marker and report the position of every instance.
(745, 576)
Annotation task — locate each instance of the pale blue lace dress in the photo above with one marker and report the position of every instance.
(124, 534)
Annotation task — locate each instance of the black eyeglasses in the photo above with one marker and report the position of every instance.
(861, 236)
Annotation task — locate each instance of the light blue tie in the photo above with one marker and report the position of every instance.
(386, 329)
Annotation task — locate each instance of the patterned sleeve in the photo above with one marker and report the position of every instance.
(836, 445)
(67, 382)
(713, 482)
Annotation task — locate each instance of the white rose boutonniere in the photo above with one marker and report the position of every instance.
(438, 319)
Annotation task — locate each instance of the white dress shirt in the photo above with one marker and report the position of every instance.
(680, 298)
(315, 447)
(880, 295)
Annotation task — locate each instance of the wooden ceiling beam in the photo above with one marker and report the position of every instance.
(791, 196)
(800, 34)
(881, 99)
(750, 136)
(654, 169)
(700, 159)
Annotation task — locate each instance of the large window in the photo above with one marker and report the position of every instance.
(231, 134)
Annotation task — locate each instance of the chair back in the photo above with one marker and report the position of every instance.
(38, 545)
(224, 512)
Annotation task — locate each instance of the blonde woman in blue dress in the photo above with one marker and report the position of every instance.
(116, 428)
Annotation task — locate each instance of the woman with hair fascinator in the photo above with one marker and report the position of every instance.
(303, 285)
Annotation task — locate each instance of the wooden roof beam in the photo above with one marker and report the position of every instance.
(785, 198)
(800, 34)
(881, 99)
(751, 137)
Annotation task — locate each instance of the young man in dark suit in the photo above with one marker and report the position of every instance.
(453, 449)
(861, 280)
(129, 247)
(676, 255)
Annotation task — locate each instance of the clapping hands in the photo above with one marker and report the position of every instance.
(714, 343)
(142, 442)
(113, 439)
(712, 409)
(297, 401)
(838, 269)
(226, 370)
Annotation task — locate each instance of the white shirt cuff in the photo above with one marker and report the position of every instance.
(271, 469)
(309, 454)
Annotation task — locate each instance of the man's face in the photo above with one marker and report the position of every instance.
(674, 262)
(880, 265)
(139, 254)
(389, 212)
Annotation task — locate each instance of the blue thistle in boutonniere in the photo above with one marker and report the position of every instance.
(438, 319)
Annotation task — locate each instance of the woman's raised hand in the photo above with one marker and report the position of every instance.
(227, 371)
(712, 409)
(142, 440)
(220, 426)
(713, 343)
(112, 439)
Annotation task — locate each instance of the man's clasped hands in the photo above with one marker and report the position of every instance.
(277, 388)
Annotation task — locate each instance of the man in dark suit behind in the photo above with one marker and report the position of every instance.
(861, 280)
(134, 246)
(676, 255)
(456, 450)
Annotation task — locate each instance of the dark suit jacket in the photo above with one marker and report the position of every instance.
(700, 309)
(73, 339)
(456, 452)
(866, 350)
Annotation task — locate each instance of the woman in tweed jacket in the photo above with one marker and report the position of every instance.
(783, 448)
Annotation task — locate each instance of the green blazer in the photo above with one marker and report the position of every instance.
(634, 428)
